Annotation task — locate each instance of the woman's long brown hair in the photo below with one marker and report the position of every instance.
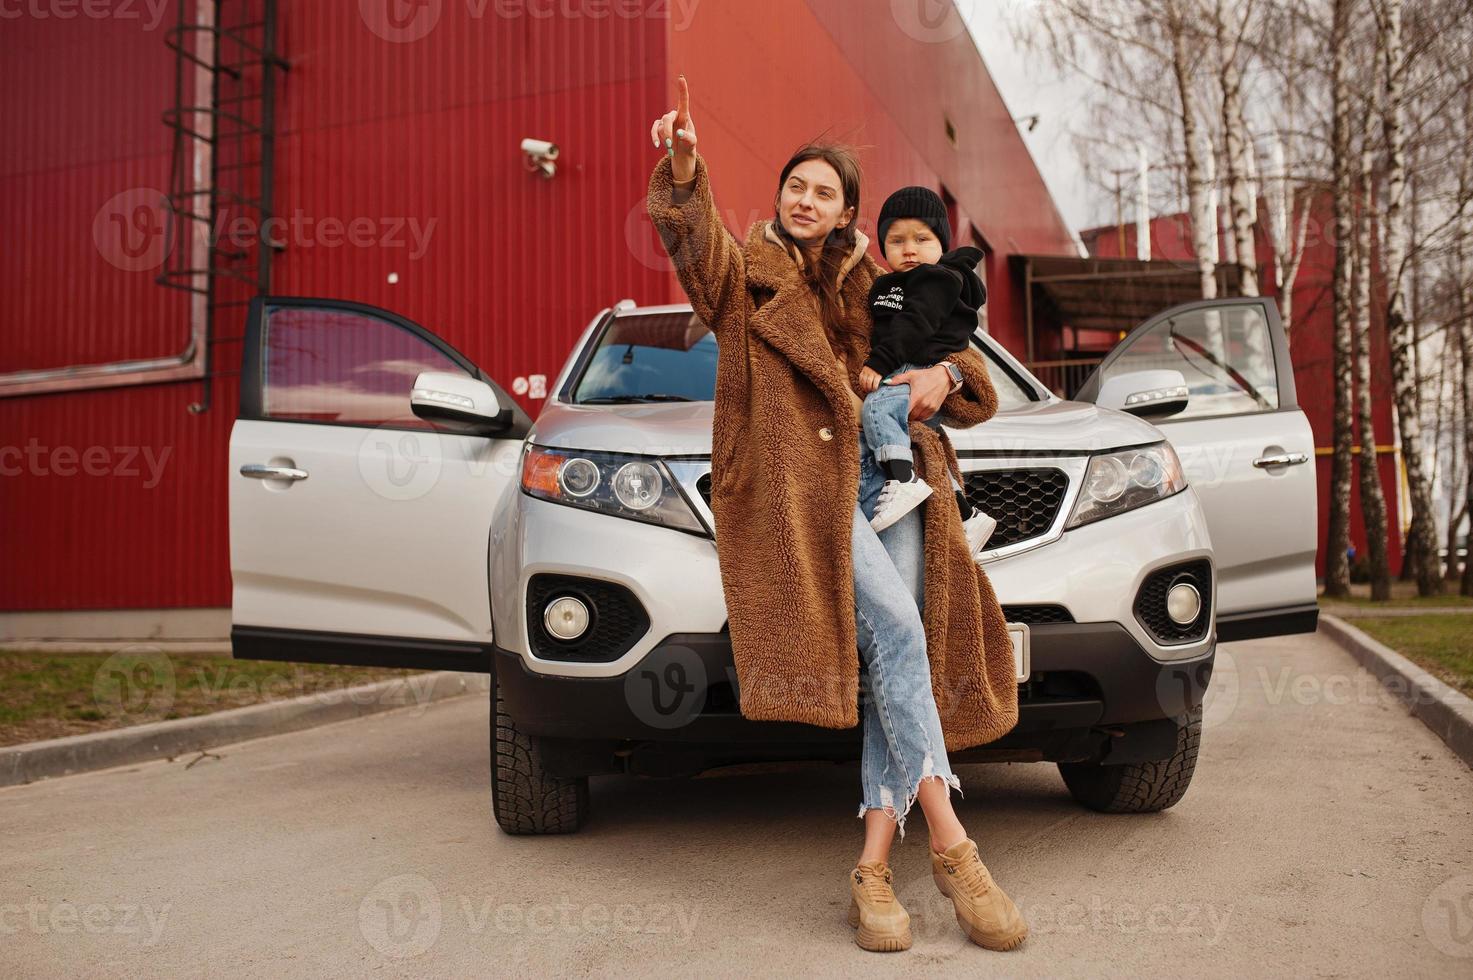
(823, 276)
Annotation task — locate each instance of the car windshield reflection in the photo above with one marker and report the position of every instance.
(652, 357)
(671, 357)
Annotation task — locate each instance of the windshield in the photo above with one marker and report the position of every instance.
(1011, 393)
(650, 357)
(653, 357)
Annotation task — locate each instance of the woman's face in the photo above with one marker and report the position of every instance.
(811, 203)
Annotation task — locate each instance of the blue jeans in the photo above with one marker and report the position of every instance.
(903, 741)
(885, 419)
(884, 433)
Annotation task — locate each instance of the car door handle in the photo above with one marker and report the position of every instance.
(1281, 459)
(260, 471)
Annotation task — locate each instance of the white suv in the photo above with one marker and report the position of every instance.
(390, 505)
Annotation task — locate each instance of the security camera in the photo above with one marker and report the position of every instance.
(539, 148)
(540, 155)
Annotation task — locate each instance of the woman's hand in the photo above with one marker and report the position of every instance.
(869, 379)
(928, 389)
(677, 134)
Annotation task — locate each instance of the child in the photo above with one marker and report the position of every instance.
(924, 310)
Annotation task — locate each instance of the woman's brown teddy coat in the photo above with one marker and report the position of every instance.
(785, 475)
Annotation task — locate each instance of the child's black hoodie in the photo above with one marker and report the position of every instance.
(922, 314)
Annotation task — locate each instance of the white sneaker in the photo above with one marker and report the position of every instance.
(979, 528)
(898, 499)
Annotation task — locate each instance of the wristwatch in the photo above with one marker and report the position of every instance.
(956, 377)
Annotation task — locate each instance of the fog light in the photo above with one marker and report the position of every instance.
(566, 618)
(1183, 604)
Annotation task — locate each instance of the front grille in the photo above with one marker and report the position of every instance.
(616, 619)
(1025, 502)
(1150, 602)
(1037, 614)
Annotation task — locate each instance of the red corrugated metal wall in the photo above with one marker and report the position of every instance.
(412, 128)
(417, 137)
(80, 100)
(879, 77)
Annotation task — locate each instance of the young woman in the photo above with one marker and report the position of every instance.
(791, 320)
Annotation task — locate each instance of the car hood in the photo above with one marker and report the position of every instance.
(684, 428)
(1061, 426)
(653, 429)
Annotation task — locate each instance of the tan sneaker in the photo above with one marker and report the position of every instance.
(984, 911)
(883, 924)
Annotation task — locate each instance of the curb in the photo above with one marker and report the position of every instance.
(28, 762)
(1373, 613)
(219, 648)
(1447, 712)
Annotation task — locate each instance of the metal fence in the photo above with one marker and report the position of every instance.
(1064, 377)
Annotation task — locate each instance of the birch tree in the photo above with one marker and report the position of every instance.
(1287, 48)
(1451, 387)
(1372, 499)
(1465, 328)
(1125, 48)
(1201, 209)
(1462, 324)
(1337, 565)
(1230, 25)
(1400, 332)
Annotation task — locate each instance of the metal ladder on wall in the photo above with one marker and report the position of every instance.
(221, 169)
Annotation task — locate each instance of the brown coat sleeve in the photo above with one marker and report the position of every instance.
(708, 260)
(976, 401)
(971, 404)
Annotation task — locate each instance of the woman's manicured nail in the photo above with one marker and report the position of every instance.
(668, 143)
(680, 132)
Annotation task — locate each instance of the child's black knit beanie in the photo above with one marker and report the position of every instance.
(920, 203)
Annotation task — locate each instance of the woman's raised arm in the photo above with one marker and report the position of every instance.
(708, 260)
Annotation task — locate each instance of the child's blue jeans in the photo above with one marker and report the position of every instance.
(884, 433)
(885, 419)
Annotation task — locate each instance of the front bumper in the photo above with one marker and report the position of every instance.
(1093, 572)
(1091, 683)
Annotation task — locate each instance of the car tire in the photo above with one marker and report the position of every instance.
(1141, 787)
(525, 797)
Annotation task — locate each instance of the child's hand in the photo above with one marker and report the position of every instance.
(869, 379)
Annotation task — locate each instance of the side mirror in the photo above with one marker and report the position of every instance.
(1150, 394)
(458, 403)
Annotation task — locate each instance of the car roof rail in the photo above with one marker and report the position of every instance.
(624, 304)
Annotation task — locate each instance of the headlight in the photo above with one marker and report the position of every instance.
(639, 488)
(1121, 481)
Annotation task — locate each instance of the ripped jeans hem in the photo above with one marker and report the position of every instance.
(951, 779)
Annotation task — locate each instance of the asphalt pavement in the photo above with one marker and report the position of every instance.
(1327, 833)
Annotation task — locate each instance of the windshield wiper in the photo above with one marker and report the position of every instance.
(626, 399)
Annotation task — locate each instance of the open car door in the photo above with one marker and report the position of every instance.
(1215, 377)
(365, 466)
